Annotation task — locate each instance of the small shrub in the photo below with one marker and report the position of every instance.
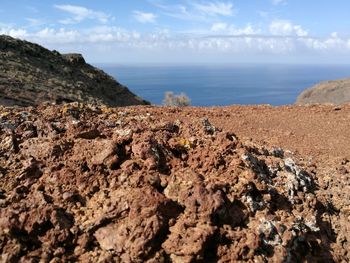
(180, 100)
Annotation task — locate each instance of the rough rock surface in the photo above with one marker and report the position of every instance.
(144, 184)
(334, 91)
(31, 74)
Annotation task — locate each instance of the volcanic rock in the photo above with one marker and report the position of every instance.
(31, 74)
(175, 191)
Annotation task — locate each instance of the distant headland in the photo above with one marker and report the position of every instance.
(31, 74)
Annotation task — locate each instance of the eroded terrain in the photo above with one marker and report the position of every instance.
(156, 184)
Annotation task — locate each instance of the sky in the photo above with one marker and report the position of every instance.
(184, 31)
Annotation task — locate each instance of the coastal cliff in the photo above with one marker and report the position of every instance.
(334, 92)
(31, 74)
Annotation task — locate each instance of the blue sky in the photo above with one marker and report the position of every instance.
(197, 31)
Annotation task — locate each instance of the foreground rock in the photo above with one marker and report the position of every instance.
(335, 92)
(31, 74)
(98, 184)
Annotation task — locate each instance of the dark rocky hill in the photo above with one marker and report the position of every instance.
(31, 74)
(335, 92)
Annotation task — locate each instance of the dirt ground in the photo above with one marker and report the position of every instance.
(157, 184)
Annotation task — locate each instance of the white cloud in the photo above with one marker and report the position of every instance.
(203, 11)
(286, 28)
(215, 8)
(277, 2)
(219, 35)
(17, 33)
(94, 35)
(181, 12)
(61, 36)
(144, 17)
(218, 27)
(227, 31)
(334, 34)
(222, 39)
(333, 43)
(80, 13)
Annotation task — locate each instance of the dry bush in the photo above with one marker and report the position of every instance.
(180, 100)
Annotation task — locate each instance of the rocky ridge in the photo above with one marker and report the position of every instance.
(334, 92)
(86, 183)
(31, 74)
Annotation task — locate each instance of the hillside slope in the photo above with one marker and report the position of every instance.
(31, 74)
(335, 92)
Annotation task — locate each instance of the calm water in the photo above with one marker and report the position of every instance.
(225, 85)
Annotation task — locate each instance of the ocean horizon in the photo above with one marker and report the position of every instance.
(222, 85)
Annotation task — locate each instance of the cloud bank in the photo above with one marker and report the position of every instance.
(281, 36)
(216, 39)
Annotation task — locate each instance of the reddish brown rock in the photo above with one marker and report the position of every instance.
(151, 185)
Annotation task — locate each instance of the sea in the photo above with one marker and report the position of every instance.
(222, 85)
